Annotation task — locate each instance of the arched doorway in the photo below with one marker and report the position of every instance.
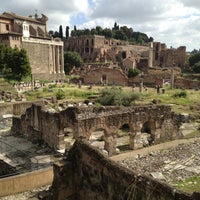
(123, 139)
(147, 134)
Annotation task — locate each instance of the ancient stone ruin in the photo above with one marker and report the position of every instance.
(87, 174)
(158, 121)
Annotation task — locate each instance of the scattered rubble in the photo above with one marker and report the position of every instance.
(170, 165)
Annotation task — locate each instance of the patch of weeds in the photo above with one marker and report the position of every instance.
(190, 184)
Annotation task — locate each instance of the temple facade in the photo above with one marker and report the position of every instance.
(46, 55)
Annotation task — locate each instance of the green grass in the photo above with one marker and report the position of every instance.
(190, 184)
(71, 92)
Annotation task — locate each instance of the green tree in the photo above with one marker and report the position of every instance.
(107, 33)
(61, 32)
(15, 63)
(99, 30)
(8, 59)
(194, 58)
(72, 59)
(196, 67)
(94, 31)
(2, 57)
(67, 32)
(24, 69)
(120, 35)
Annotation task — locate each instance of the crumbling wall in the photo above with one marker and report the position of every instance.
(88, 174)
(37, 124)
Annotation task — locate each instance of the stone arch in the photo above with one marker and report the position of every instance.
(148, 132)
(123, 137)
(96, 138)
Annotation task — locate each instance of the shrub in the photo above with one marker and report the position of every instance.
(60, 94)
(133, 72)
(116, 96)
(182, 94)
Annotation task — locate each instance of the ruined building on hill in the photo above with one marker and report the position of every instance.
(96, 48)
(45, 54)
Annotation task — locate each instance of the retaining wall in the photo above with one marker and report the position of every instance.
(27, 181)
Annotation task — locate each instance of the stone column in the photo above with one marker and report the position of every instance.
(110, 144)
(150, 60)
(135, 131)
(53, 58)
(62, 60)
(57, 59)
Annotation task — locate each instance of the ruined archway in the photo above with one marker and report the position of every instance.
(123, 138)
(147, 133)
(97, 138)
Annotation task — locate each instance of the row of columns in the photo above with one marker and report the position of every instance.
(58, 59)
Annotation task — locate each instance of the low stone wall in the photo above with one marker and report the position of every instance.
(24, 182)
(6, 108)
(16, 108)
(88, 174)
(20, 108)
(186, 83)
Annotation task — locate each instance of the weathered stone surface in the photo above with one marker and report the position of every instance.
(158, 120)
(94, 176)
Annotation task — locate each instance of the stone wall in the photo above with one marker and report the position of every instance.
(186, 83)
(105, 76)
(88, 174)
(24, 182)
(46, 58)
(38, 124)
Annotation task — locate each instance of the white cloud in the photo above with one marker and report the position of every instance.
(174, 22)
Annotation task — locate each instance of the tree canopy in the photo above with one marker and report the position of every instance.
(72, 59)
(116, 32)
(14, 63)
(194, 61)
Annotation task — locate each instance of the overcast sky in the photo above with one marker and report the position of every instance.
(174, 22)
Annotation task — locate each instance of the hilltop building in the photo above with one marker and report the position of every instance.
(96, 48)
(45, 53)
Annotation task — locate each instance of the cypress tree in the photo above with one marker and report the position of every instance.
(61, 32)
(67, 32)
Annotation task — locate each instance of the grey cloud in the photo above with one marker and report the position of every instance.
(130, 10)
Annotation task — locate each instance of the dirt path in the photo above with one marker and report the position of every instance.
(149, 149)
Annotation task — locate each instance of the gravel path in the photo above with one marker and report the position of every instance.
(170, 161)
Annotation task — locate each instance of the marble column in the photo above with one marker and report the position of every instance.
(57, 59)
(53, 58)
(62, 60)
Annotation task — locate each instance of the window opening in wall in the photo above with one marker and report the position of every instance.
(87, 42)
(7, 27)
(124, 54)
